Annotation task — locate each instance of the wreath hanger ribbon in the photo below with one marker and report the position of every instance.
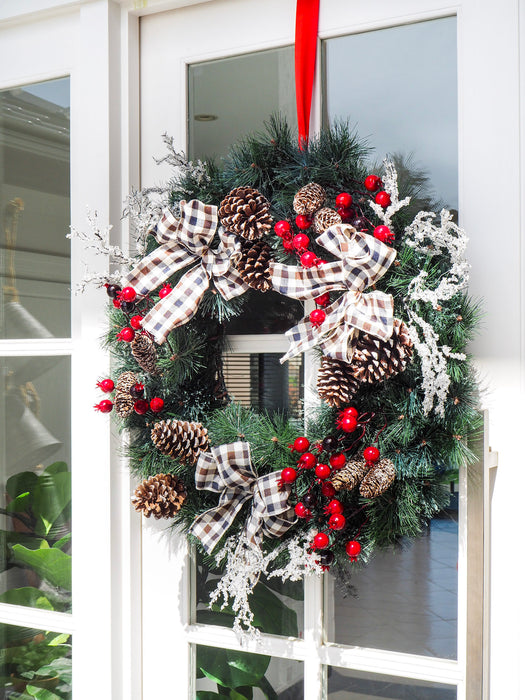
(184, 241)
(362, 261)
(227, 470)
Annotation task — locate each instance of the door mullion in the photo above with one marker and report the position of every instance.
(314, 638)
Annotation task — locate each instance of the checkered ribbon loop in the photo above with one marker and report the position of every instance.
(182, 242)
(227, 470)
(362, 261)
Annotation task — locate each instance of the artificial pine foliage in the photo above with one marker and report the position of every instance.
(415, 395)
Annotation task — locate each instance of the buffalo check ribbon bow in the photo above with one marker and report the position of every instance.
(227, 470)
(184, 241)
(362, 261)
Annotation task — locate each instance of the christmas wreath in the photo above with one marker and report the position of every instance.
(366, 466)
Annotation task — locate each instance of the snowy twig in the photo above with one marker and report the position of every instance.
(390, 186)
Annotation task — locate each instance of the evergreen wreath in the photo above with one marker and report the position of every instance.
(264, 493)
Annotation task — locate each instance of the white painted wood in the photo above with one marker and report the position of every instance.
(47, 620)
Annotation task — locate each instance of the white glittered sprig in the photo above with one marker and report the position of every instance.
(427, 238)
(390, 185)
(244, 565)
(177, 159)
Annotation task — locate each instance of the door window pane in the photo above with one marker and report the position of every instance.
(228, 671)
(234, 96)
(404, 99)
(35, 211)
(35, 520)
(352, 685)
(35, 663)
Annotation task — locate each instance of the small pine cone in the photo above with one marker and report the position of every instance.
(335, 384)
(379, 478)
(180, 439)
(144, 351)
(375, 359)
(254, 265)
(309, 199)
(123, 404)
(324, 218)
(161, 495)
(125, 381)
(245, 211)
(350, 475)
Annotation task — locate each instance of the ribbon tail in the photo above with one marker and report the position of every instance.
(179, 306)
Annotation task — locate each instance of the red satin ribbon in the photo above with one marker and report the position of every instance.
(306, 26)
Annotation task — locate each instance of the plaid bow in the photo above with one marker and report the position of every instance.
(362, 261)
(184, 241)
(227, 470)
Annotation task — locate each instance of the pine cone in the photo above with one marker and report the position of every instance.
(254, 265)
(375, 359)
(324, 218)
(180, 439)
(309, 199)
(244, 211)
(335, 383)
(144, 351)
(123, 404)
(378, 480)
(125, 381)
(350, 475)
(161, 495)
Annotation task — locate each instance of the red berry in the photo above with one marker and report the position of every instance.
(136, 322)
(301, 510)
(337, 461)
(106, 385)
(346, 214)
(137, 391)
(383, 199)
(321, 540)
(307, 460)
(301, 241)
(371, 454)
(288, 475)
(347, 424)
(343, 200)
(302, 222)
(141, 407)
(126, 334)
(372, 183)
(322, 471)
(317, 317)
(165, 290)
(350, 411)
(337, 521)
(281, 228)
(319, 262)
(301, 444)
(384, 234)
(128, 294)
(287, 245)
(352, 549)
(307, 259)
(323, 300)
(328, 489)
(116, 303)
(156, 404)
(104, 406)
(334, 506)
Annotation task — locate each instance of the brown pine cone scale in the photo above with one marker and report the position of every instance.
(309, 199)
(179, 439)
(335, 383)
(379, 478)
(245, 212)
(374, 360)
(162, 496)
(254, 265)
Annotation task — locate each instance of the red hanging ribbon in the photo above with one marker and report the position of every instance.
(306, 26)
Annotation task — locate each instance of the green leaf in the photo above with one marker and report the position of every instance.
(271, 615)
(53, 565)
(232, 669)
(206, 695)
(28, 596)
(56, 468)
(23, 482)
(20, 504)
(291, 589)
(42, 693)
(57, 639)
(51, 496)
(267, 689)
(59, 667)
(62, 541)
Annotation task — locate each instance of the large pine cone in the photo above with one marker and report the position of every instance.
(123, 404)
(245, 211)
(378, 480)
(324, 218)
(347, 478)
(125, 381)
(179, 439)
(161, 495)
(254, 265)
(335, 383)
(144, 351)
(375, 359)
(309, 199)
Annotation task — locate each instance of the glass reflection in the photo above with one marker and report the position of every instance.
(35, 211)
(344, 684)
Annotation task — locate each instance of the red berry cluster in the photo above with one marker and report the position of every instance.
(313, 492)
(141, 406)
